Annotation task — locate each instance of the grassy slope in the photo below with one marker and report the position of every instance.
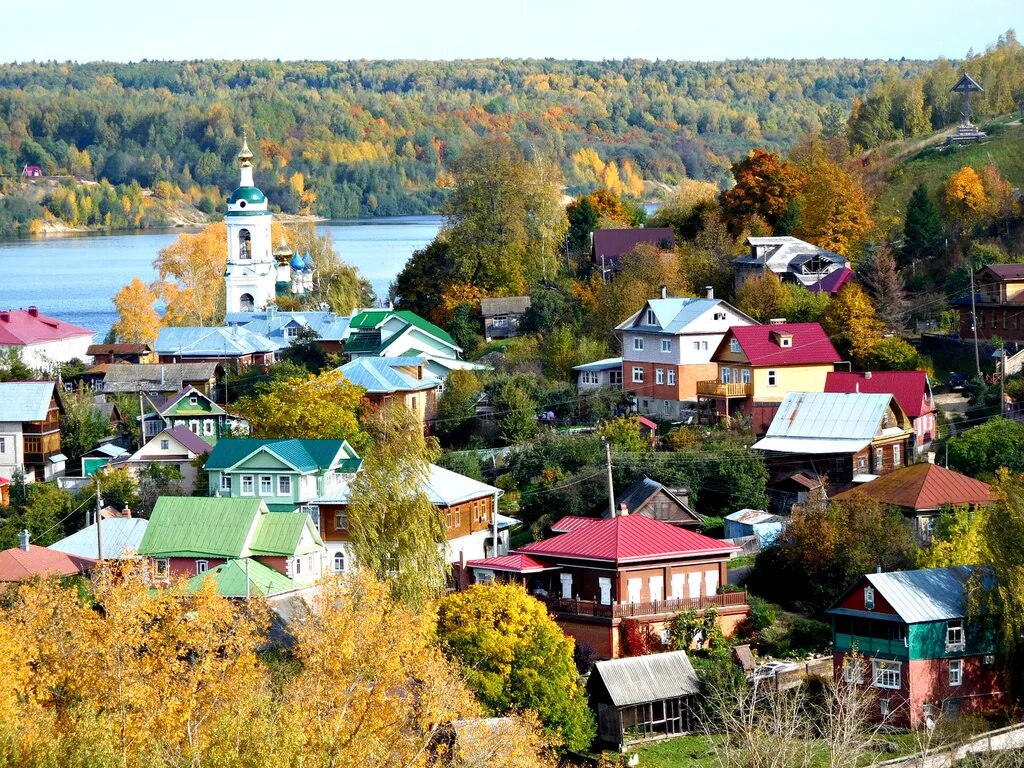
(900, 167)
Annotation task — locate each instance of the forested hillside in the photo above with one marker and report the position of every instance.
(377, 138)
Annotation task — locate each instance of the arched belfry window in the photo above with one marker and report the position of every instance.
(246, 302)
(244, 244)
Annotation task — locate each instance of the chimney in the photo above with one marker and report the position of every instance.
(664, 291)
(867, 375)
(5, 316)
(710, 291)
(856, 387)
(23, 538)
(623, 509)
(33, 311)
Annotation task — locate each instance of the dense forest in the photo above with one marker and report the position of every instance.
(365, 138)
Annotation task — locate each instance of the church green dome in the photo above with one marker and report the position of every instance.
(251, 195)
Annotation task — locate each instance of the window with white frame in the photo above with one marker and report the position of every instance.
(773, 378)
(746, 375)
(853, 670)
(208, 427)
(734, 345)
(202, 566)
(955, 635)
(193, 400)
(162, 567)
(284, 485)
(247, 485)
(165, 445)
(886, 674)
(341, 521)
(671, 376)
(615, 377)
(225, 482)
(500, 321)
(652, 319)
(339, 562)
(786, 341)
(659, 376)
(638, 375)
(291, 331)
(666, 345)
(704, 346)
(638, 343)
(266, 485)
(869, 598)
(956, 671)
(696, 346)
(298, 565)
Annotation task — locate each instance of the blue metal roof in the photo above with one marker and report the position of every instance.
(25, 400)
(325, 324)
(607, 364)
(927, 594)
(222, 341)
(121, 539)
(382, 375)
(673, 315)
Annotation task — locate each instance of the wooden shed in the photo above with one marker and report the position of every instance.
(642, 698)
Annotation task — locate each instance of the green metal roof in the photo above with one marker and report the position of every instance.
(230, 579)
(362, 342)
(374, 317)
(249, 194)
(279, 533)
(189, 526)
(304, 455)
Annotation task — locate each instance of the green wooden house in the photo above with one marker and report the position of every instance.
(911, 636)
(285, 474)
(193, 410)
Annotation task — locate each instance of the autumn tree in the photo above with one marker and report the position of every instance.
(851, 323)
(137, 319)
(1002, 196)
(324, 406)
(922, 229)
(834, 208)
(957, 539)
(191, 271)
(893, 354)
(624, 433)
(762, 297)
(396, 531)
(965, 201)
(82, 425)
(505, 224)
(337, 283)
(456, 407)
(883, 283)
(516, 658)
(765, 187)
(1002, 526)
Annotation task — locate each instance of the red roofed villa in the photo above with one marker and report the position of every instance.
(40, 340)
(625, 567)
(912, 390)
(758, 365)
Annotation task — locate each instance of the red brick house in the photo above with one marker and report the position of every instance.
(625, 567)
(912, 390)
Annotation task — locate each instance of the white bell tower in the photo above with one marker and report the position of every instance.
(251, 272)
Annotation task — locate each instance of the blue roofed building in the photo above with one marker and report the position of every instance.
(234, 345)
(331, 330)
(667, 347)
(286, 474)
(599, 374)
(397, 378)
(121, 539)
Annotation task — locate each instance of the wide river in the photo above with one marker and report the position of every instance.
(74, 278)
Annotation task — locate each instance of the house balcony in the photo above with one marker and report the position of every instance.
(649, 609)
(716, 388)
(871, 646)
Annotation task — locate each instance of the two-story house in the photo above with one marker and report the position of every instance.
(792, 260)
(286, 474)
(189, 536)
(193, 410)
(758, 365)
(912, 390)
(624, 567)
(469, 508)
(30, 430)
(911, 637)
(667, 348)
(397, 378)
(174, 447)
(998, 304)
(835, 437)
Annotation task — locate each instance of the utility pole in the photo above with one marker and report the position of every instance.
(142, 422)
(1002, 381)
(974, 323)
(99, 518)
(611, 486)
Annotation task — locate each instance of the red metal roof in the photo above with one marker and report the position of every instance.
(613, 243)
(19, 327)
(627, 539)
(908, 387)
(571, 523)
(16, 564)
(833, 281)
(923, 487)
(515, 562)
(759, 343)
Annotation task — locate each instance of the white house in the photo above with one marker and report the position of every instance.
(41, 341)
(176, 447)
(30, 430)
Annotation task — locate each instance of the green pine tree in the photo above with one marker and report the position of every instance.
(922, 231)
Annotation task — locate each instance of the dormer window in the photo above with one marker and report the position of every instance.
(651, 319)
(734, 346)
(784, 340)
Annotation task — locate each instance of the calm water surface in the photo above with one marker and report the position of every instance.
(74, 278)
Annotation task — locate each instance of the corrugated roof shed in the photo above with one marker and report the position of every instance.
(830, 415)
(643, 679)
(508, 305)
(25, 400)
(121, 539)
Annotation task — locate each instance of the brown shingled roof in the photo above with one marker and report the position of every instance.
(922, 487)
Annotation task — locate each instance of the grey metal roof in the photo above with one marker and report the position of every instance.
(168, 377)
(640, 491)
(221, 341)
(674, 314)
(641, 679)
(384, 375)
(509, 305)
(928, 594)
(25, 400)
(442, 486)
(846, 416)
(607, 364)
(121, 538)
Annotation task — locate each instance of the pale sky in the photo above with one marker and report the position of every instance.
(129, 30)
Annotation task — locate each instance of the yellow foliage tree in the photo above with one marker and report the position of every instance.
(965, 200)
(851, 323)
(137, 319)
(833, 207)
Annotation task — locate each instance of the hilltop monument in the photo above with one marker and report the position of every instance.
(966, 131)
